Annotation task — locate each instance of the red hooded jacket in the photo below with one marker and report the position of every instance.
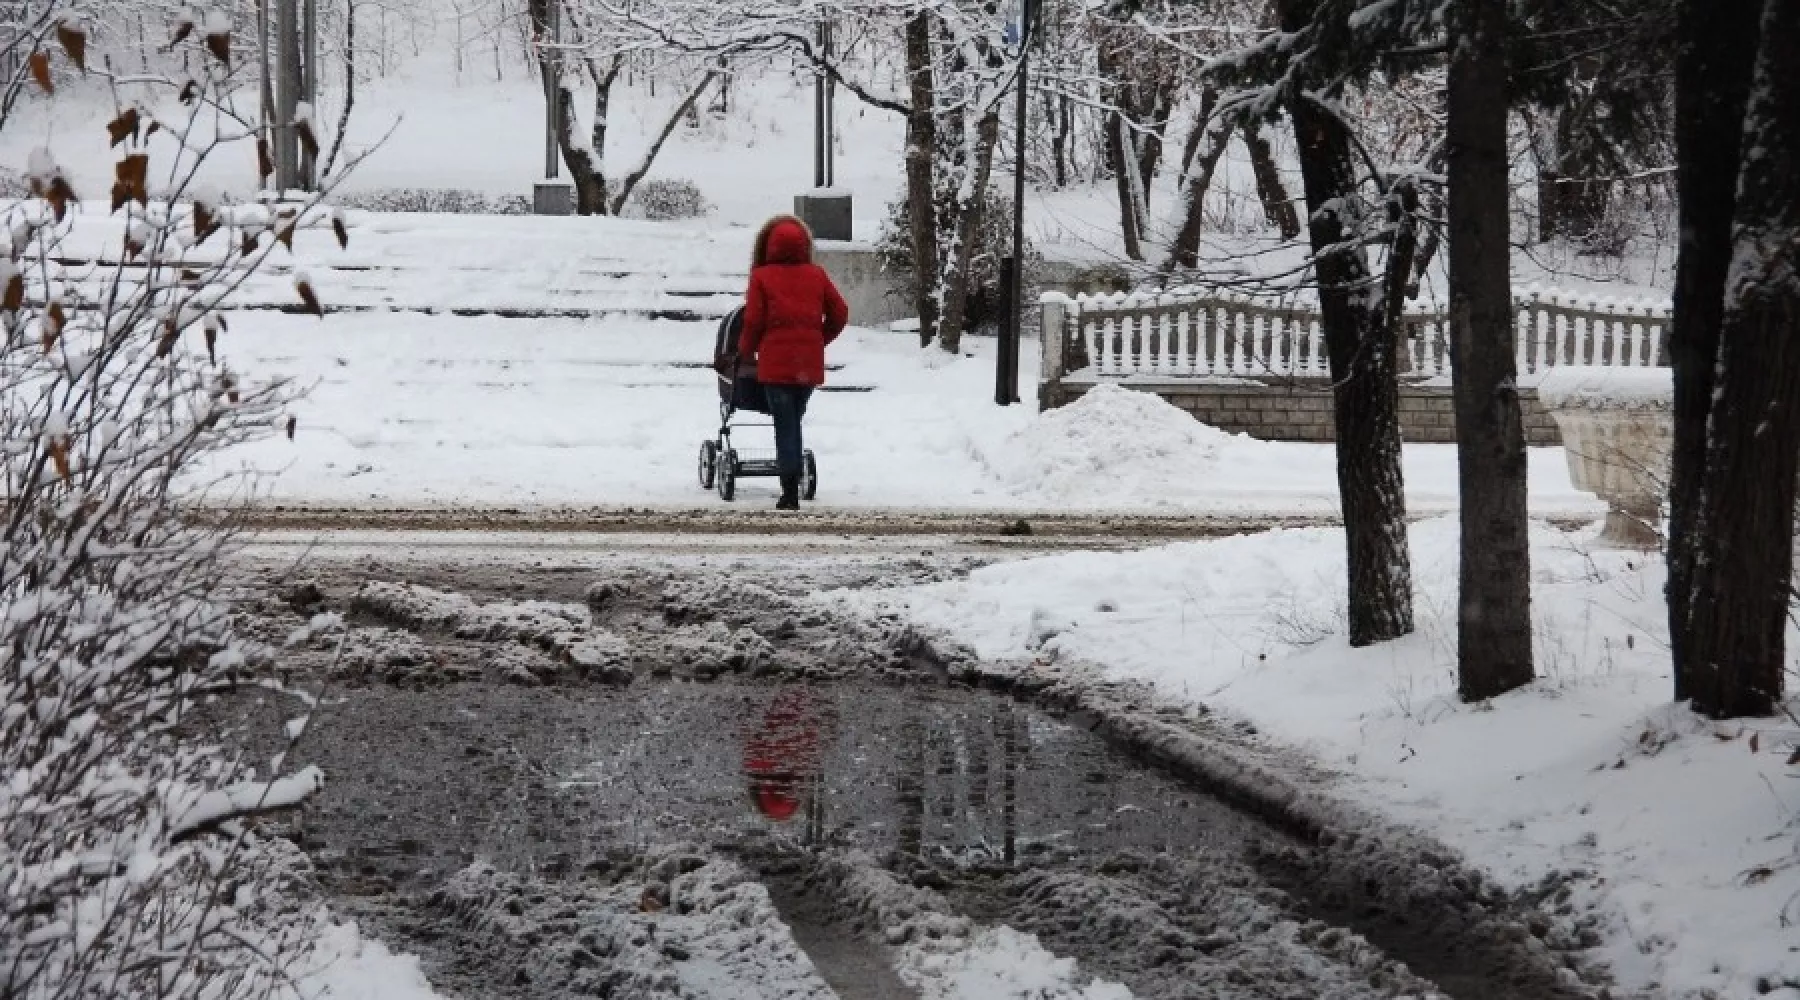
(792, 309)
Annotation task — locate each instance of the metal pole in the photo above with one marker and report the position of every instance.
(819, 110)
(1009, 338)
(287, 94)
(267, 94)
(830, 115)
(310, 89)
(549, 59)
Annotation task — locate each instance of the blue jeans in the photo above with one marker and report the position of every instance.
(787, 404)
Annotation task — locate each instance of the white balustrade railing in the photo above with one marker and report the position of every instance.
(1220, 334)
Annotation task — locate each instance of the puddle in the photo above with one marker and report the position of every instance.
(422, 783)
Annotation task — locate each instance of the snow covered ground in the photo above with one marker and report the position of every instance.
(1687, 829)
(422, 411)
(553, 363)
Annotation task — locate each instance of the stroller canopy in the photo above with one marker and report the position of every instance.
(725, 348)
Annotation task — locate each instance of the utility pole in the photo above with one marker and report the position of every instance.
(295, 81)
(824, 93)
(1006, 376)
(309, 88)
(552, 99)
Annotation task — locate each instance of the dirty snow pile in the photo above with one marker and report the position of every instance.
(1112, 445)
(945, 956)
(561, 630)
(1685, 828)
(676, 926)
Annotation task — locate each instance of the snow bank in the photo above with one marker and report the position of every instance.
(1598, 387)
(348, 966)
(1686, 827)
(1111, 445)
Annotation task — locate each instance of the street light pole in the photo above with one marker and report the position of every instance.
(1006, 388)
(824, 172)
(552, 95)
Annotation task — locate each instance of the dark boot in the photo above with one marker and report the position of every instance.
(790, 493)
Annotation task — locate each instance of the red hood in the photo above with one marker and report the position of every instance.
(789, 244)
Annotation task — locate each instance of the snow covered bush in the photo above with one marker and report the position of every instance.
(673, 198)
(445, 201)
(994, 241)
(126, 865)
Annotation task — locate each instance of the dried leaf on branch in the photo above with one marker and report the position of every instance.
(73, 39)
(59, 457)
(39, 64)
(54, 321)
(309, 300)
(126, 126)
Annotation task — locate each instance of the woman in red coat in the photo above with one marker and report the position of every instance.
(791, 311)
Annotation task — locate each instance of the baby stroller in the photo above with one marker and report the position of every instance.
(720, 462)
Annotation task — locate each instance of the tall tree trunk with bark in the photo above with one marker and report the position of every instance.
(1122, 165)
(970, 208)
(1365, 381)
(1493, 651)
(1742, 571)
(582, 162)
(921, 188)
(1712, 87)
(1278, 207)
(1199, 161)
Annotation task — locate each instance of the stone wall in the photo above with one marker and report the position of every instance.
(1302, 412)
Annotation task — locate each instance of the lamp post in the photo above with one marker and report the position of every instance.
(1012, 285)
(824, 93)
(296, 82)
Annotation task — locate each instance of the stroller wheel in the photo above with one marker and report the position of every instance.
(809, 477)
(728, 475)
(709, 464)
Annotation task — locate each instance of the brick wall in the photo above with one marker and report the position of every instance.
(1303, 412)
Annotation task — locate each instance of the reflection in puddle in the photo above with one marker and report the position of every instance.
(955, 774)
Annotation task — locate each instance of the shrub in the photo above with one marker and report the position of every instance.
(446, 201)
(129, 871)
(665, 199)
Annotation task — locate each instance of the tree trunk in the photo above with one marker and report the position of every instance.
(343, 125)
(1712, 86)
(603, 84)
(1197, 176)
(633, 177)
(969, 212)
(1493, 634)
(1119, 162)
(1062, 117)
(1365, 382)
(1742, 571)
(1278, 208)
(921, 190)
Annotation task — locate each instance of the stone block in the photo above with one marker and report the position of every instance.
(553, 198)
(827, 212)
